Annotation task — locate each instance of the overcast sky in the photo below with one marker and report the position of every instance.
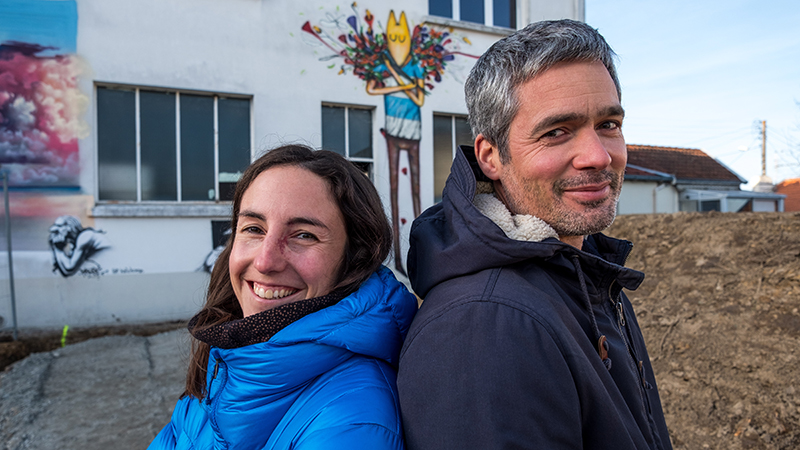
(704, 74)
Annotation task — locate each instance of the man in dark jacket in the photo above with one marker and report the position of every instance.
(525, 339)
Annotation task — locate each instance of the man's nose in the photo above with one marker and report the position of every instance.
(270, 256)
(592, 152)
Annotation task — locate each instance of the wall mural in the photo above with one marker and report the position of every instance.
(73, 246)
(40, 103)
(399, 64)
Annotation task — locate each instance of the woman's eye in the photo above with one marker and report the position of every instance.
(305, 236)
(250, 229)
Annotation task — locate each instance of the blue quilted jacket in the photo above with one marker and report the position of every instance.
(325, 381)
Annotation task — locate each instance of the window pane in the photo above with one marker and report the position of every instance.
(159, 170)
(441, 8)
(234, 143)
(360, 128)
(197, 147)
(472, 11)
(333, 129)
(463, 132)
(116, 144)
(505, 13)
(442, 153)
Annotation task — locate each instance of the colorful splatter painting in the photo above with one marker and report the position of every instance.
(41, 106)
(400, 64)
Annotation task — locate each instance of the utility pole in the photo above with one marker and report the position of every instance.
(763, 148)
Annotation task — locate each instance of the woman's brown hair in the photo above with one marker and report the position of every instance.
(369, 240)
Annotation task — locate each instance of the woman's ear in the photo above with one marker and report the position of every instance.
(488, 158)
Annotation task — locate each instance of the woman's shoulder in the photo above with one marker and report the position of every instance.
(331, 413)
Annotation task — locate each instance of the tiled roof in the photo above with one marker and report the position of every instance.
(791, 189)
(686, 164)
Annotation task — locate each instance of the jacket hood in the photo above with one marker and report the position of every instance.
(454, 238)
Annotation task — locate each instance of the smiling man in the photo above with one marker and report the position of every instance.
(525, 338)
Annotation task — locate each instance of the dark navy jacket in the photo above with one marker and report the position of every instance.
(504, 351)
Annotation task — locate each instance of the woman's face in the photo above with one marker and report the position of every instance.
(290, 240)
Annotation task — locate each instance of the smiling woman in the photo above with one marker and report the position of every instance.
(302, 325)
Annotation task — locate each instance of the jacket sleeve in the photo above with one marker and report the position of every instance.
(188, 423)
(347, 437)
(486, 375)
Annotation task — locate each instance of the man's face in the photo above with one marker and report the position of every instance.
(567, 153)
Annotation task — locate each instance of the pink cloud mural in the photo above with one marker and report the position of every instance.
(40, 115)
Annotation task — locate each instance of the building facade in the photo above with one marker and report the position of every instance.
(125, 125)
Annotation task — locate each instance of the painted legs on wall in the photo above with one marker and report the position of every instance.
(394, 145)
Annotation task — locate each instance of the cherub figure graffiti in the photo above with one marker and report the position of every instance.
(402, 66)
(73, 245)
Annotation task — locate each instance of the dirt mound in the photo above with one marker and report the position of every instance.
(719, 311)
(36, 341)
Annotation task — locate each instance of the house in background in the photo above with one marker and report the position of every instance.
(670, 179)
(791, 189)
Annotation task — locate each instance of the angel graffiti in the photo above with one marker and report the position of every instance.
(400, 65)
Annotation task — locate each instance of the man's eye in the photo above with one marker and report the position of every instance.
(554, 133)
(610, 125)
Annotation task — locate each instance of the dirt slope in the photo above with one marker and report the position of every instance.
(719, 311)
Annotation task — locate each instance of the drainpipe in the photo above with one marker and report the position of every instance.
(4, 172)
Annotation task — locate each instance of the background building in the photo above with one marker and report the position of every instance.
(125, 125)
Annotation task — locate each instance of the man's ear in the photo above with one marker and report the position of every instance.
(488, 158)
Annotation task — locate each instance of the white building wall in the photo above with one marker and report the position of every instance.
(637, 197)
(151, 269)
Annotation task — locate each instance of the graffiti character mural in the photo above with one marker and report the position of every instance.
(73, 245)
(401, 65)
(40, 103)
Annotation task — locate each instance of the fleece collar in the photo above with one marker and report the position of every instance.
(519, 227)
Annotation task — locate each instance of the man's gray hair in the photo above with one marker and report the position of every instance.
(491, 88)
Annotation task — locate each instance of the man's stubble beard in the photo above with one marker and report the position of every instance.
(595, 217)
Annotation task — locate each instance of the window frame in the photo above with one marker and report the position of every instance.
(215, 95)
(488, 14)
(360, 161)
(453, 145)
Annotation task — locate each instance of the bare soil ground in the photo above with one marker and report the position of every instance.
(36, 341)
(719, 311)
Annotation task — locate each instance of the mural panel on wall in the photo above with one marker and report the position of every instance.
(73, 246)
(40, 103)
(41, 118)
(401, 65)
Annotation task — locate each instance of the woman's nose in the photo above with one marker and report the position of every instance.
(270, 256)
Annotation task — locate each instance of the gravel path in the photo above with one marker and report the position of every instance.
(109, 392)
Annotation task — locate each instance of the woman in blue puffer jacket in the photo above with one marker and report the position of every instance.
(298, 342)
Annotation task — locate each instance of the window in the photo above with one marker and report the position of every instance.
(448, 133)
(348, 131)
(499, 13)
(160, 145)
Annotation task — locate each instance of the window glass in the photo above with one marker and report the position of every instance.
(234, 143)
(333, 129)
(360, 129)
(442, 153)
(441, 8)
(158, 156)
(472, 11)
(197, 147)
(116, 142)
(463, 132)
(505, 13)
